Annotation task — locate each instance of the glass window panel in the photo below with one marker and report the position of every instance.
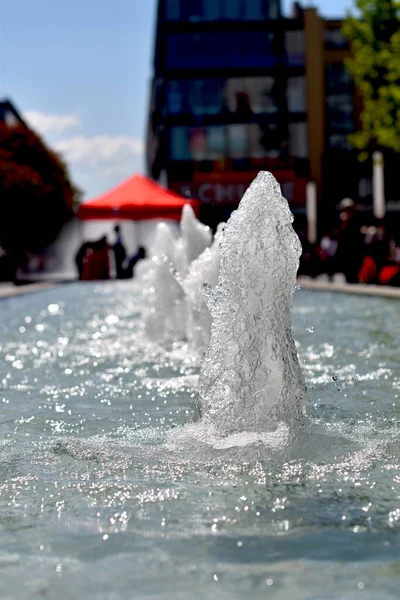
(232, 9)
(172, 9)
(251, 94)
(296, 94)
(205, 97)
(337, 79)
(238, 137)
(334, 39)
(216, 143)
(261, 94)
(235, 49)
(233, 87)
(264, 141)
(295, 47)
(272, 9)
(198, 143)
(213, 10)
(241, 96)
(193, 10)
(298, 140)
(252, 10)
(339, 141)
(179, 144)
(175, 97)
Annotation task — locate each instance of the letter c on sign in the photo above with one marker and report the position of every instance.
(203, 190)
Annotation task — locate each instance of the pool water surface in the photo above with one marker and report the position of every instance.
(100, 497)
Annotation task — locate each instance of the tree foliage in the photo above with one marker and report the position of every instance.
(375, 66)
(36, 196)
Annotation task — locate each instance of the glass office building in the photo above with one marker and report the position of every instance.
(238, 88)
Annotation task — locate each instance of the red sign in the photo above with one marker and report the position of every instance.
(227, 189)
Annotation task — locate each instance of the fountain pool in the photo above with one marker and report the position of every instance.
(99, 499)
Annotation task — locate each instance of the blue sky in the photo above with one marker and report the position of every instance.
(80, 73)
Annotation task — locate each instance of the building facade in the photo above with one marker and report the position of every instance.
(238, 88)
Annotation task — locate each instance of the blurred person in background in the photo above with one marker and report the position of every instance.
(327, 254)
(376, 250)
(389, 274)
(119, 254)
(96, 262)
(350, 242)
(140, 254)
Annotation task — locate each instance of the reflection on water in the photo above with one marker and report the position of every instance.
(103, 496)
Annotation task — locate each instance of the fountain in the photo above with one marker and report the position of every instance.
(108, 486)
(231, 302)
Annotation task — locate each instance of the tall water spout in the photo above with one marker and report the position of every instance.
(250, 377)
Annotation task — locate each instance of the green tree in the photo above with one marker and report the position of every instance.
(36, 196)
(374, 39)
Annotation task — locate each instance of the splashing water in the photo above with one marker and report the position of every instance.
(250, 377)
(202, 277)
(164, 315)
(196, 237)
(167, 316)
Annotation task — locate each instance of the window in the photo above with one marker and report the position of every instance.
(251, 95)
(296, 94)
(172, 10)
(337, 79)
(204, 97)
(339, 141)
(241, 96)
(341, 112)
(179, 144)
(216, 143)
(262, 95)
(175, 97)
(239, 142)
(266, 141)
(235, 50)
(339, 106)
(298, 140)
(238, 137)
(295, 47)
(335, 40)
(197, 143)
(217, 10)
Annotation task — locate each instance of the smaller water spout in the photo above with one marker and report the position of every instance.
(203, 275)
(166, 307)
(250, 377)
(165, 311)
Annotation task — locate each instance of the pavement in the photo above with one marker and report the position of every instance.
(8, 290)
(383, 291)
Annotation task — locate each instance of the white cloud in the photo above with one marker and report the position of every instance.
(96, 163)
(51, 124)
(109, 152)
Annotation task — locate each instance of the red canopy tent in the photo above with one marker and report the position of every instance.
(138, 198)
